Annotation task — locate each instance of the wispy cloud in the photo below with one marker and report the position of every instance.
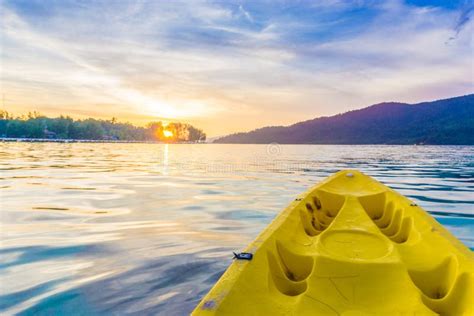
(246, 14)
(230, 66)
(463, 20)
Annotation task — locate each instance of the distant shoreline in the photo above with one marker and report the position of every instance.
(106, 141)
(52, 140)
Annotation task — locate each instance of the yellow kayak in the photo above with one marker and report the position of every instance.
(348, 246)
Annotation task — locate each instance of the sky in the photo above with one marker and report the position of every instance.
(230, 66)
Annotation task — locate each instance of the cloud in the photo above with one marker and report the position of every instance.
(246, 14)
(463, 20)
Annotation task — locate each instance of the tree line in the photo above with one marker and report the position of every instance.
(35, 125)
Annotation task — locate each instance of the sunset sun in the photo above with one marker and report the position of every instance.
(168, 134)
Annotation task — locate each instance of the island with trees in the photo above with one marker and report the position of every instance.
(35, 126)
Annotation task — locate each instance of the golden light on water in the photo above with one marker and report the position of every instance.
(167, 134)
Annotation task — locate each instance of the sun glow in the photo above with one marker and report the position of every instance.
(167, 133)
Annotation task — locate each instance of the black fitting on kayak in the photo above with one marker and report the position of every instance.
(243, 256)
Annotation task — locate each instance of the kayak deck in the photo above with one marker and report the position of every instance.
(349, 246)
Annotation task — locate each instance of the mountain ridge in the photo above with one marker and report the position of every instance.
(445, 121)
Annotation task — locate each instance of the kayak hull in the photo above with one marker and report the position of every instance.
(348, 246)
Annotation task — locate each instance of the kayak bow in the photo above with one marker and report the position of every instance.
(348, 246)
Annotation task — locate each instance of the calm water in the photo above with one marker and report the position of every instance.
(144, 228)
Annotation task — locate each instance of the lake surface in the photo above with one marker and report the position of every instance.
(90, 229)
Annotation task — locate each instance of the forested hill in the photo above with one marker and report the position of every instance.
(37, 126)
(449, 121)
